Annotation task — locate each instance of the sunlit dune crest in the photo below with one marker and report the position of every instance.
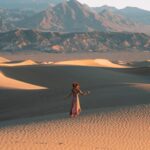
(107, 63)
(9, 83)
(120, 62)
(47, 62)
(3, 60)
(23, 63)
(86, 62)
(142, 86)
(92, 62)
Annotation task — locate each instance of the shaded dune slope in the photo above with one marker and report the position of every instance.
(108, 88)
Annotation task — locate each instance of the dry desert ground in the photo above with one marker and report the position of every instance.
(34, 108)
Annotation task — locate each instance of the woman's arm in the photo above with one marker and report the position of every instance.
(84, 93)
(69, 95)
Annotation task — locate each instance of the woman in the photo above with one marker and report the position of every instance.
(75, 106)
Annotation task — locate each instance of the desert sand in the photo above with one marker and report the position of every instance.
(21, 63)
(115, 116)
(9, 83)
(43, 56)
(3, 60)
(92, 62)
(125, 128)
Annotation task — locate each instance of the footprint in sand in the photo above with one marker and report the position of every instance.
(60, 143)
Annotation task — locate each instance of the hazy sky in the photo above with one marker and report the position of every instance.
(145, 4)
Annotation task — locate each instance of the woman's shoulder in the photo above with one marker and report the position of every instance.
(75, 90)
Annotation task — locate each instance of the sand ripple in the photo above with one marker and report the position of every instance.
(108, 129)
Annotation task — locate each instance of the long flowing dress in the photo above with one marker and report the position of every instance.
(75, 105)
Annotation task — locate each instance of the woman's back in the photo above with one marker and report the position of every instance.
(75, 92)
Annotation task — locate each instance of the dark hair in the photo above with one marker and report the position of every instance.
(75, 84)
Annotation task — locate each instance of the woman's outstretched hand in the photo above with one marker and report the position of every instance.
(87, 92)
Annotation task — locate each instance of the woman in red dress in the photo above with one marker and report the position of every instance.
(75, 106)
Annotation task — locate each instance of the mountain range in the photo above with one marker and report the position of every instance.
(68, 16)
(135, 14)
(23, 40)
(70, 26)
(8, 18)
(72, 16)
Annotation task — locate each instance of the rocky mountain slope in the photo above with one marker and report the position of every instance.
(72, 16)
(9, 17)
(20, 40)
(68, 16)
(136, 14)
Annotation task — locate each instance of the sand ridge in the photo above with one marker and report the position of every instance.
(108, 63)
(22, 63)
(9, 83)
(3, 60)
(92, 62)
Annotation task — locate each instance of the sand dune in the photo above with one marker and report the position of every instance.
(9, 83)
(92, 62)
(108, 121)
(3, 60)
(120, 62)
(107, 63)
(22, 63)
(47, 62)
(102, 129)
(108, 87)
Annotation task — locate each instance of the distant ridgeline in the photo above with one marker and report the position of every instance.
(27, 4)
(72, 16)
(20, 40)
